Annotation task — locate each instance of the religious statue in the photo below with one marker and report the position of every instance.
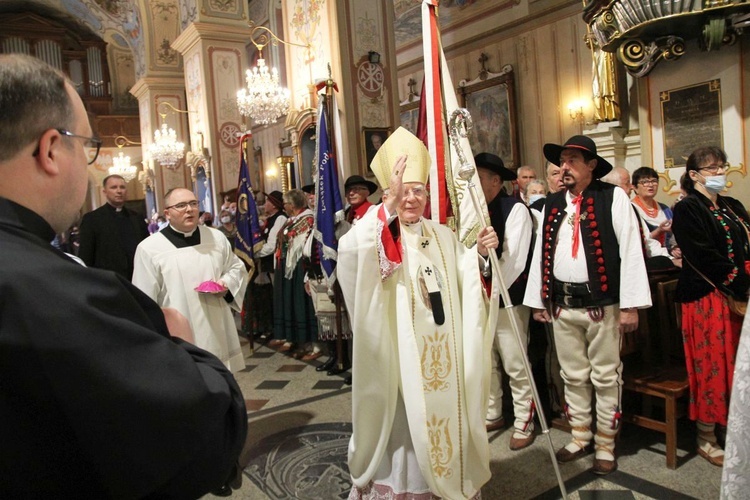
(603, 82)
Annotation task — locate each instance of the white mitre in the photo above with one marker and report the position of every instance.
(402, 142)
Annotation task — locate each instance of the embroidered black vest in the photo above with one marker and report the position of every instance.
(499, 209)
(598, 242)
(266, 263)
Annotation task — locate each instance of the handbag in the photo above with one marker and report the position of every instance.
(322, 302)
(738, 307)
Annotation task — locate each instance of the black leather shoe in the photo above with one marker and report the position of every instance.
(348, 380)
(224, 491)
(336, 370)
(327, 365)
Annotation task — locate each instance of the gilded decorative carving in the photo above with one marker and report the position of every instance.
(441, 445)
(643, 32)
(640, 58)
(436, 362)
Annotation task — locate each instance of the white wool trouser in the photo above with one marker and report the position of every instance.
(588, 348)
(505, 349)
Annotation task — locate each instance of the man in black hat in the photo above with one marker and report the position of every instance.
(357, 189)
(257, 310)
(309, 190)
(587, 247)
(512, 222)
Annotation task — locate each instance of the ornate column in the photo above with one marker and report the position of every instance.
(151, 92)
(213, 54)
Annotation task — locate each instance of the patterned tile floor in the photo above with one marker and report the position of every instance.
(300, 423)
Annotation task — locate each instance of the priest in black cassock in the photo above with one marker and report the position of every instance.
(102, 395)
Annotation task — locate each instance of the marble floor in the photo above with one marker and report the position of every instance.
(300, 423)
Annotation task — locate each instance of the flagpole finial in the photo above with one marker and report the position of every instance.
(460, 126)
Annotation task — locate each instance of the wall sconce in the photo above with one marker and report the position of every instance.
(575, 110)
(373, 57)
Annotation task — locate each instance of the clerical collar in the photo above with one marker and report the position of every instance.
(413, 224)
(184, 235)
(180, 239)
(114, 208)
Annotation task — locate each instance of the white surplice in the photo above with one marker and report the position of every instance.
(169, 275)
(441, 371)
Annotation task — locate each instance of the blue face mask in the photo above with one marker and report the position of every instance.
(715, 183)
(535, 197)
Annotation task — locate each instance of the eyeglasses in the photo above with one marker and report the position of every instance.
(91, 143)
(713, 168)
(648, 182)
(417, 192)
(181, 207)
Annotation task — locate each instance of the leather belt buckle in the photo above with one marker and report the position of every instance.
(569, 301)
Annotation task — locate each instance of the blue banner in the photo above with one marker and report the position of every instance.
(249, 237)
(329, 208)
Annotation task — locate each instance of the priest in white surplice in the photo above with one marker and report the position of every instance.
(420, 315)
(170, 264)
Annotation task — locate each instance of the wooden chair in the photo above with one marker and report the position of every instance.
(663, 376)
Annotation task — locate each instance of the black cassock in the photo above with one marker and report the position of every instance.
(96, 400)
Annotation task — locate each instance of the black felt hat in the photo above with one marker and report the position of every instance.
(552, 153)
(495, 164)
(276, 198)
(358, 180)
(309, 189)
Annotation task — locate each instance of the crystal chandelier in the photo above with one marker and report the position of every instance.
(264, 100)
(166, 149)
(121, 164)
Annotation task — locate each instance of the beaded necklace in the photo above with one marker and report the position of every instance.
(651, 212)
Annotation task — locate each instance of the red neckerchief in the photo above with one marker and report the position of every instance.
(358, 212)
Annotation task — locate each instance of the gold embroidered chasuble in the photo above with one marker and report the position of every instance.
(442, 370)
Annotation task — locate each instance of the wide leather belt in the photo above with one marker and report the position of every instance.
(572, 294)
(578, 295)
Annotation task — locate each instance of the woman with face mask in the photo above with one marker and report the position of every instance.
(227, 226)
(712, 231)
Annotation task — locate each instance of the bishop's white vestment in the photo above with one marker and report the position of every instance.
(169, 275)
(420, 388)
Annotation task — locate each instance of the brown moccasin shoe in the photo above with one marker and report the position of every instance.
(717, 460)
(521, 443)
(494, 425)
(603, 467)
(564, 456)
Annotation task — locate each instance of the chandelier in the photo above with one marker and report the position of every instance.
(121, 164)
(264, 100)
(166, 149)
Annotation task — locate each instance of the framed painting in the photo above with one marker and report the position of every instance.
(257, 171)
(372, 139)
(491, 102)
(410, 116)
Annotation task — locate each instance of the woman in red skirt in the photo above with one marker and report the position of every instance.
(712, 231)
